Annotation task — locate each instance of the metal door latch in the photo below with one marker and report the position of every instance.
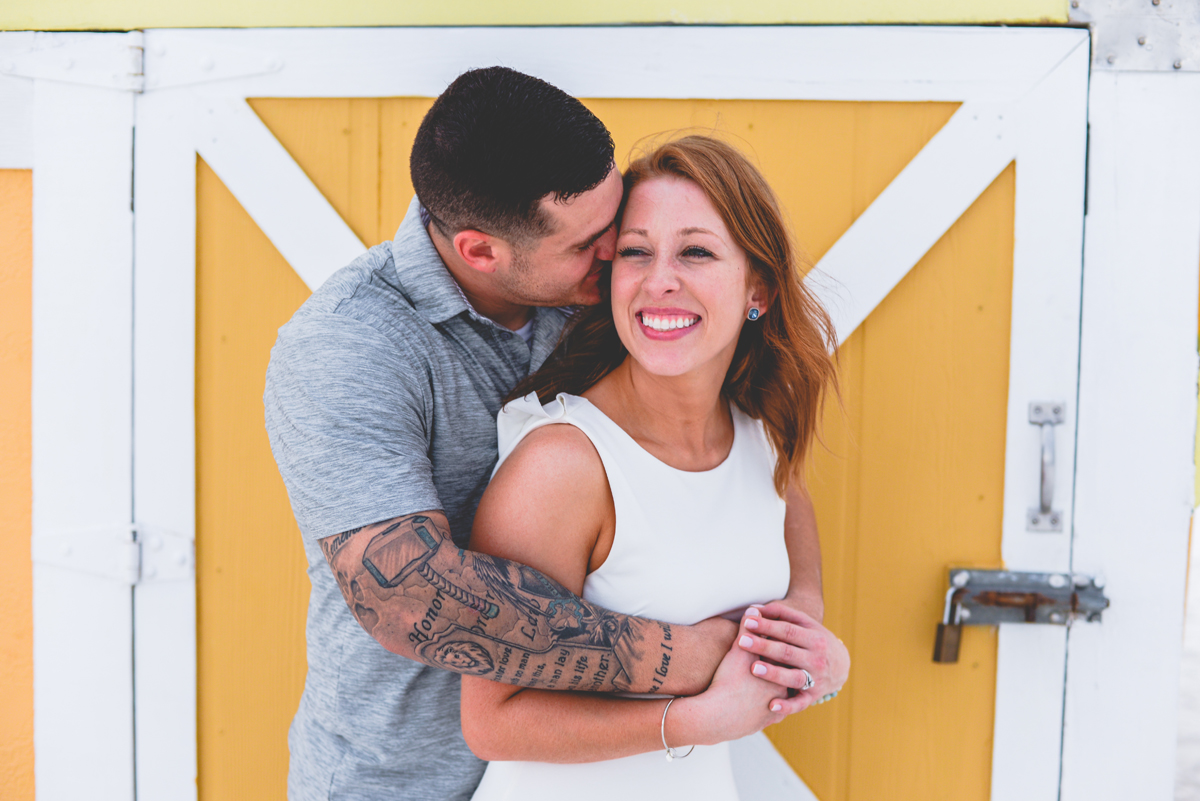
(1046, 415)
(988, 597)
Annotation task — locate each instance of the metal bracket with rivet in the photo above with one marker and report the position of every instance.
(1046, 415)
(990, 597)
(1142, 35)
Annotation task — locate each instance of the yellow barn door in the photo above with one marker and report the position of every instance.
(923, 464)
(911, 478)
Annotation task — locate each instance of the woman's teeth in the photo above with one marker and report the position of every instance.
(667, 323)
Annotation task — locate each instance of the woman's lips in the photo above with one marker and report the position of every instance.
(667, 324)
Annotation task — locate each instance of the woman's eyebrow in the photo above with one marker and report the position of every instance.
(697, 231)
(641, 231)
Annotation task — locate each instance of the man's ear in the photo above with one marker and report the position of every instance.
(482, 252)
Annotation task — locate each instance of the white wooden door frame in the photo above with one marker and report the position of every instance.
(1134, 482)
(68, 114)
(1023, 95)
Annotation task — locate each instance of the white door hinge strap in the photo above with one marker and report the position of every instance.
(131, 554)
(106, 60)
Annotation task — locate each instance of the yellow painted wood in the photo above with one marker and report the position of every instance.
(912, 480)
(355, 151)
(128, 14)
(16, 490)
(927, 408)
(251, 586)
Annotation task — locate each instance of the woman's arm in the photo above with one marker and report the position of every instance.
(549, 507)
(788, 634)
(804, 554)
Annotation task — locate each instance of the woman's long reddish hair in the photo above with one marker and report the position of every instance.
(783, 363)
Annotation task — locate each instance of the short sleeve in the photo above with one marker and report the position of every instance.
(347, 414)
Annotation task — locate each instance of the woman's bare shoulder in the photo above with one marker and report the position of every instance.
(551, 491)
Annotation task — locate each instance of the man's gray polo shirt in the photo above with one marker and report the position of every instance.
(381, 401)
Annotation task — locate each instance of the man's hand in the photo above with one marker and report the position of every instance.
(789, 641)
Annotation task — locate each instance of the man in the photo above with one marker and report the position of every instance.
(381, 402)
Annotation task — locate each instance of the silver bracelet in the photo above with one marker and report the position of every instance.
(672, 754)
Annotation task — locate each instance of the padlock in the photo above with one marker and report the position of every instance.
(949, 631)
(945, 646)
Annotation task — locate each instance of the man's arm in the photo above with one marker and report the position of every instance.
(421, 596)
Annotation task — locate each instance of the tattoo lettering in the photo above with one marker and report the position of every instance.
(331, 545)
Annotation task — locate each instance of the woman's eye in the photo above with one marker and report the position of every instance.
(696, 252)
(631, 252)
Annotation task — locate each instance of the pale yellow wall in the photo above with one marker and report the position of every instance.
(126, 14)
(16, 574)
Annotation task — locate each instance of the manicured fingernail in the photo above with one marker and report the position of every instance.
(745, 642)
(759, 669)
(757, 606)
(776, 707)
(753, 611)
(751, 623)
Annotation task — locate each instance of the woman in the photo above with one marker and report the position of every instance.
(662, 479)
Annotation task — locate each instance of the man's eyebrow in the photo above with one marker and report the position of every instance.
(591, 240)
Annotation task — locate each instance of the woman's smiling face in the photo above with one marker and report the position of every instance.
(681, 285)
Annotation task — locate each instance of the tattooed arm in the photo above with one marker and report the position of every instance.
(420, 596)
(550, 506)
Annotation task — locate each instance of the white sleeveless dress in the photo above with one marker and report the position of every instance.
(687, 546)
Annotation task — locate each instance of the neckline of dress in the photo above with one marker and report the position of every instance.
(732, 416)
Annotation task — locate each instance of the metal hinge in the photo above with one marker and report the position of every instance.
(988, 597)
(107, 60)
(134, 554)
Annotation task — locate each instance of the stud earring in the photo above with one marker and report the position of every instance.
(753, 315)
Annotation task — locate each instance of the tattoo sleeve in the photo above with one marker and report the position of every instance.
(421, 596)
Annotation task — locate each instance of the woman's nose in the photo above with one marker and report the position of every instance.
(662, 277)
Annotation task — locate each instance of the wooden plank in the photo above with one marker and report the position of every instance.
(273, 189)
(786, 63)
(82, 291)
(16, 493)
(16, 98)
(336, 141)
(251, 666)
(165, 446)
(886, 241)
(1051, 128)
(1137, 412)
(127, 14)
(932, 430)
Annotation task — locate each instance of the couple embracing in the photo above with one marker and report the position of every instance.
(596, 518)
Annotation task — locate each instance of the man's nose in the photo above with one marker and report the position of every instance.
(606, 246)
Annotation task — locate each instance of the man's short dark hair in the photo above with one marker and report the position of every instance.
(495, 143)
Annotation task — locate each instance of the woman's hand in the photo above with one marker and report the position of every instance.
(789, 642)
(735, 705)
